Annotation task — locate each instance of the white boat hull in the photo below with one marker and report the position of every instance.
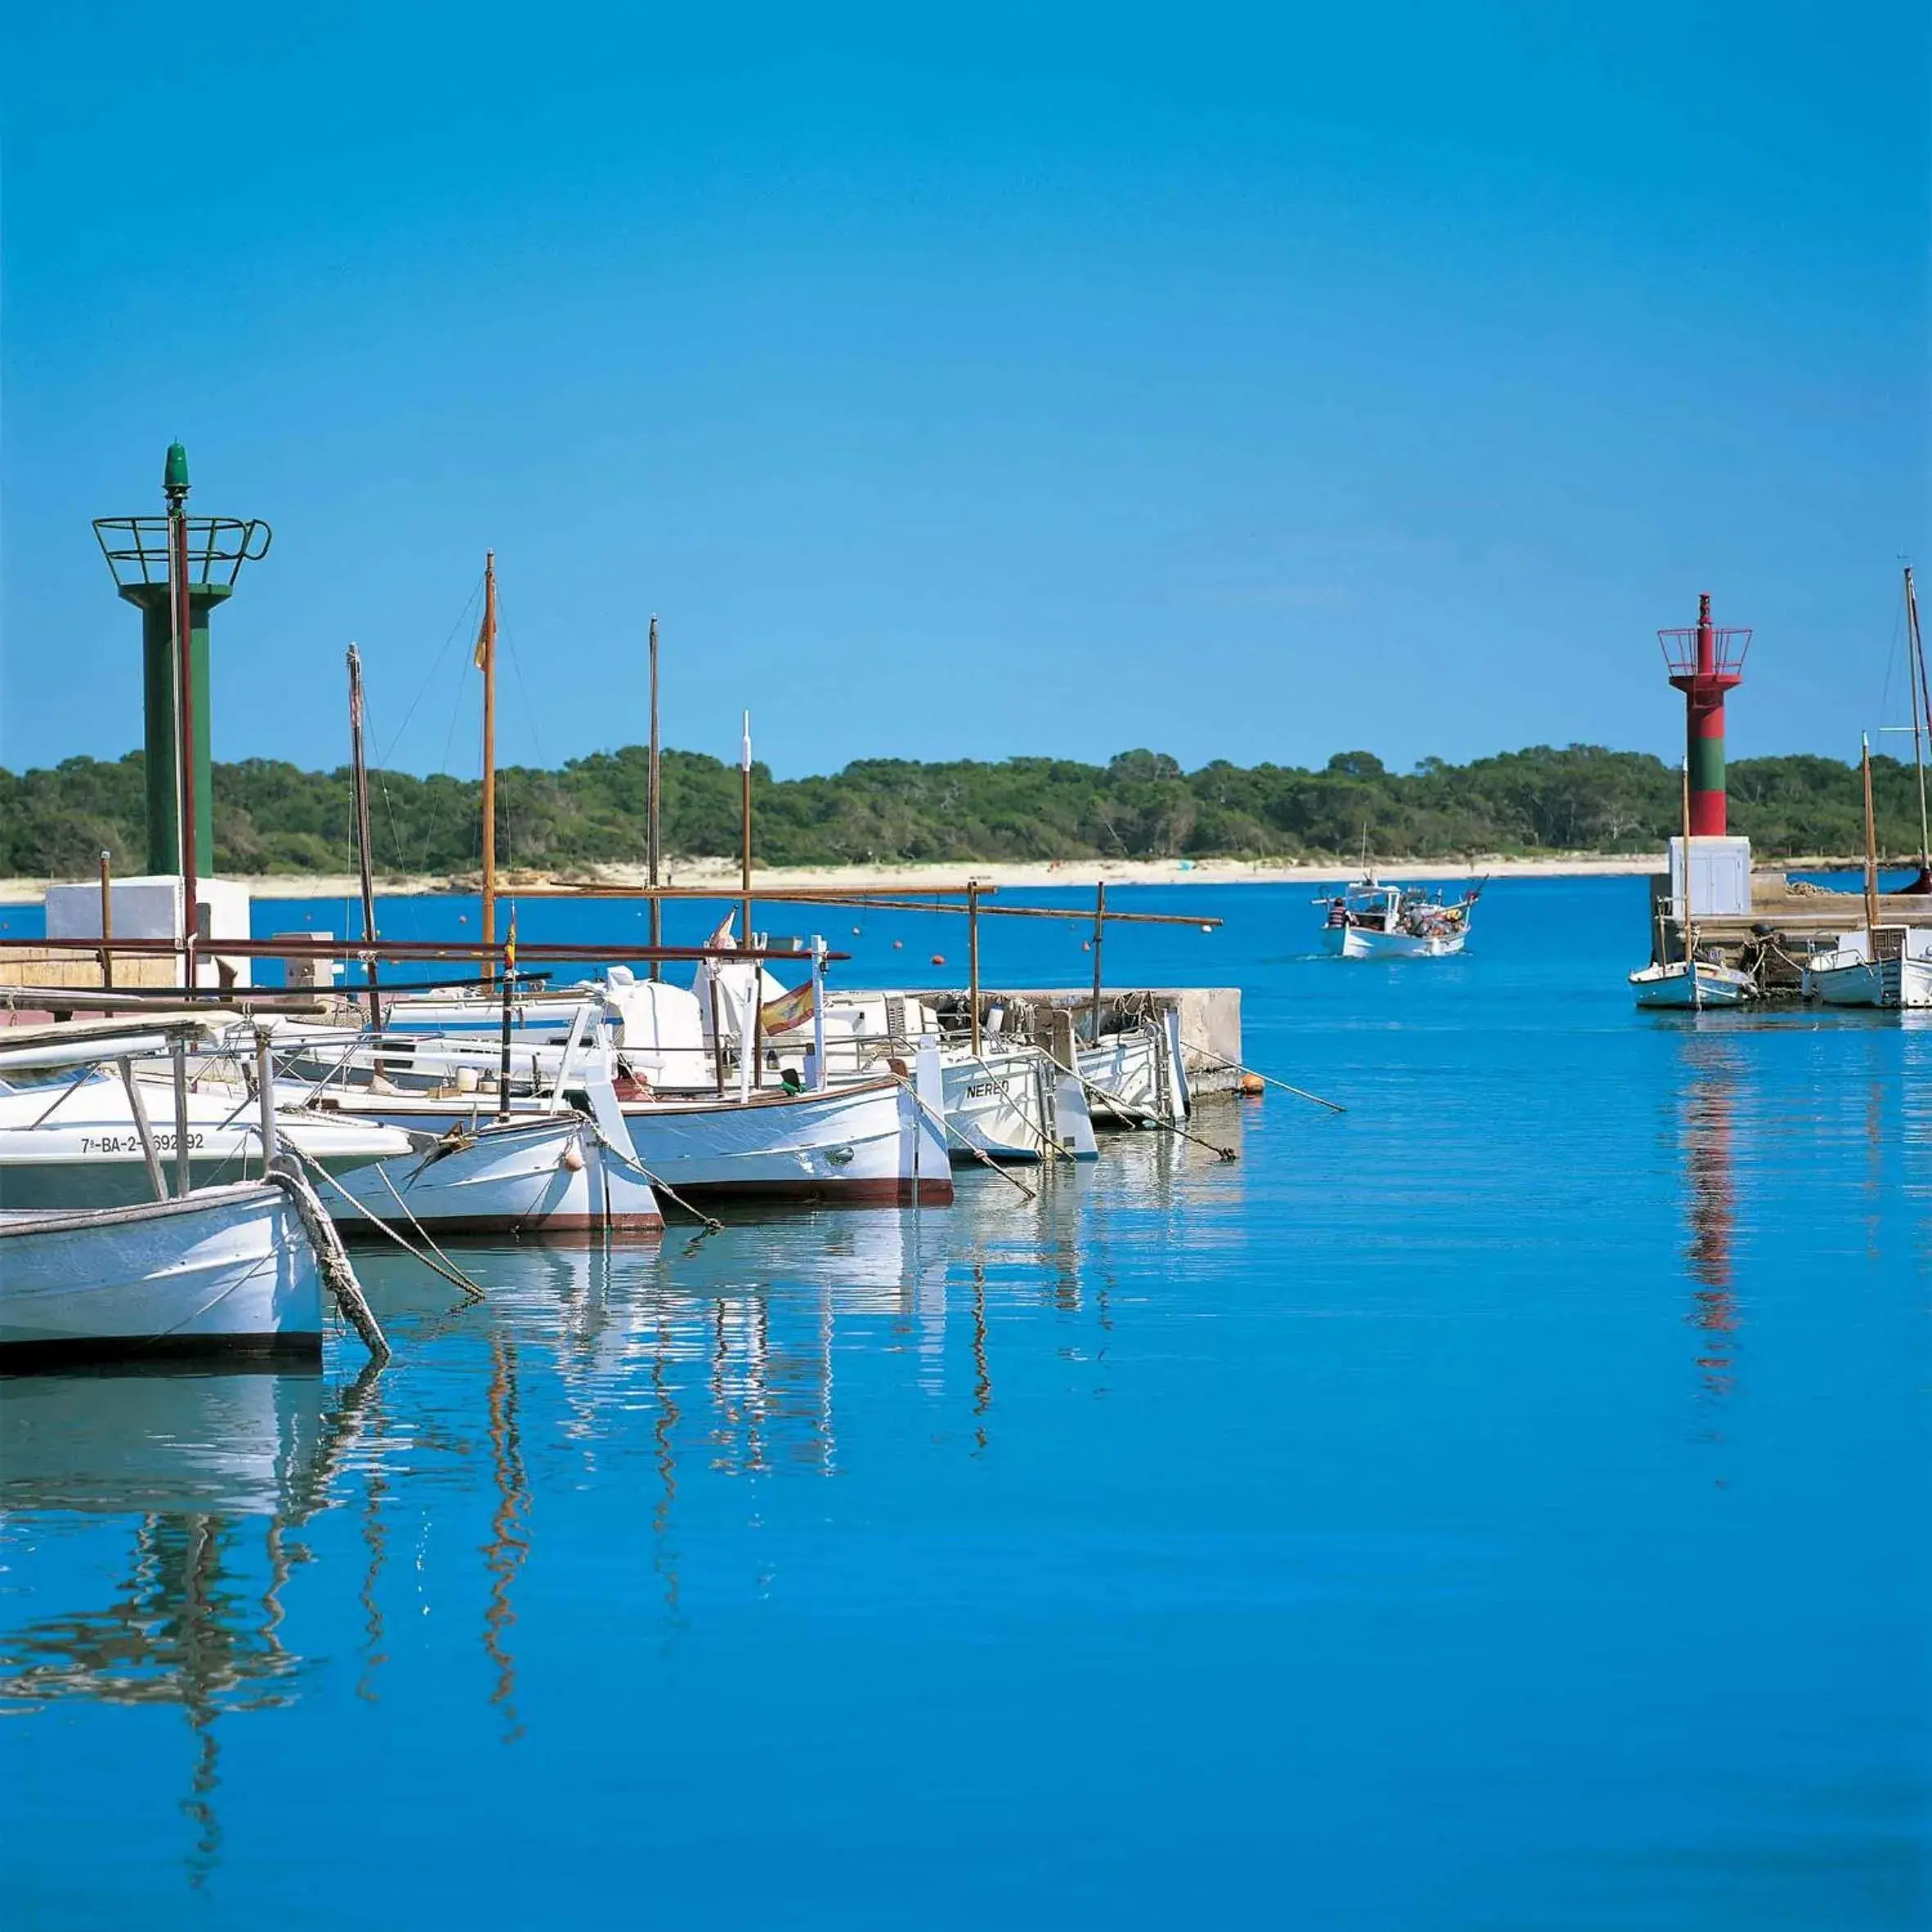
(1899, 976)
(1365, 942)
(1134, 1076)
(868, 1143)
(1674, 985)
(86, 1153)
(230, 1272)
(548, 1178)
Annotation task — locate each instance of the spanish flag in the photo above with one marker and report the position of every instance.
(510, 945)
(794, 1009)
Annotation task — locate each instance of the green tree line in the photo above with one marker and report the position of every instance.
(273, 817)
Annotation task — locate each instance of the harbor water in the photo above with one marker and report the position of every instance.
(1501, 1505)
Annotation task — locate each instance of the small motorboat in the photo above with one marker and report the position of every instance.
(1368, 920)
(1693, 984)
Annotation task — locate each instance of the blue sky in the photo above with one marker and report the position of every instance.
(1251, 383)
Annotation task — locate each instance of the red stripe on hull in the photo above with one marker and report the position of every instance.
(823, 1194)
(556, 1230)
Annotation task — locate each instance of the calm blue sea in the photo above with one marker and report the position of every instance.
(1504, 1506)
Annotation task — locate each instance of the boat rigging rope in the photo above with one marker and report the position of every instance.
(1040, 1134)
(712, 1226)
(435, 1260)
(1236, 1067)
(1117, 1104)
(978, 1153)
(331, 1257)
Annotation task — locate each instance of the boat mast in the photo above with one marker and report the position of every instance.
(485, 661)
(1870, 847)
(653, 811)
(744, 770)
(1915, 653)
(364, 863)
(1685, 909)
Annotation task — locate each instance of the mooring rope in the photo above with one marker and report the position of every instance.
(1236, 1067)
(434, 1260)
(978, 1153)
(1121, 1103)
(331, 1257)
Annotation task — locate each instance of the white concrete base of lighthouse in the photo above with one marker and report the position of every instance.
(1720, 877)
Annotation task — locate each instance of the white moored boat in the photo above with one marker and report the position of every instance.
(877, 1141)
(1369, 920)
(1692, 984)
(229, 1271)
(549, 1177)
(1136, 1075)
(70, 1138)
(1885, 966)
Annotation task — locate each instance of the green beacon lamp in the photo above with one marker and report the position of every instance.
(137, 549)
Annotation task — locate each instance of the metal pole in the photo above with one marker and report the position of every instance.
(1099, 935)
(184, 1173)
(157, 1179)
(509, 989)
(717, 1038)
(265, 1093)
(364, 864)
(818, 1079)
(744, 767)
(184, 672)
(757, 996)
(972, 957)
(654, 809)
(106, 925)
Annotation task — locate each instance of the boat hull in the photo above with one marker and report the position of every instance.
(1132, 1078)
(546, 1180)
(1890, 968)
(998, 1103)
(864, 1145)
(1672, 987)
(1365, 942)
(869, 1144)
(229, 1273)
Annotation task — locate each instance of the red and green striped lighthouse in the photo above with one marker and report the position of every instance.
(1706, 662)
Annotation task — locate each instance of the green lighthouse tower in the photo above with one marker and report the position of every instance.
(174, 568)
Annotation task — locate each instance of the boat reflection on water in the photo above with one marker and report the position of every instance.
(217, 1471)
(660, 1371)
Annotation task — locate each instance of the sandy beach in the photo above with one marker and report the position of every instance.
(722, 875)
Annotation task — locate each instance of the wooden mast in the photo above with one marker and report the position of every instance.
(364, 864)
(654, 810)
(1871, 853)
(486, 663)
(1914, 651)
(1685, 909)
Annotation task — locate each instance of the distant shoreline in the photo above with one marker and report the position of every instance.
(720, 875)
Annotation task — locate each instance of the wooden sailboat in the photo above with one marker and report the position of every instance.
(1878, 965)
